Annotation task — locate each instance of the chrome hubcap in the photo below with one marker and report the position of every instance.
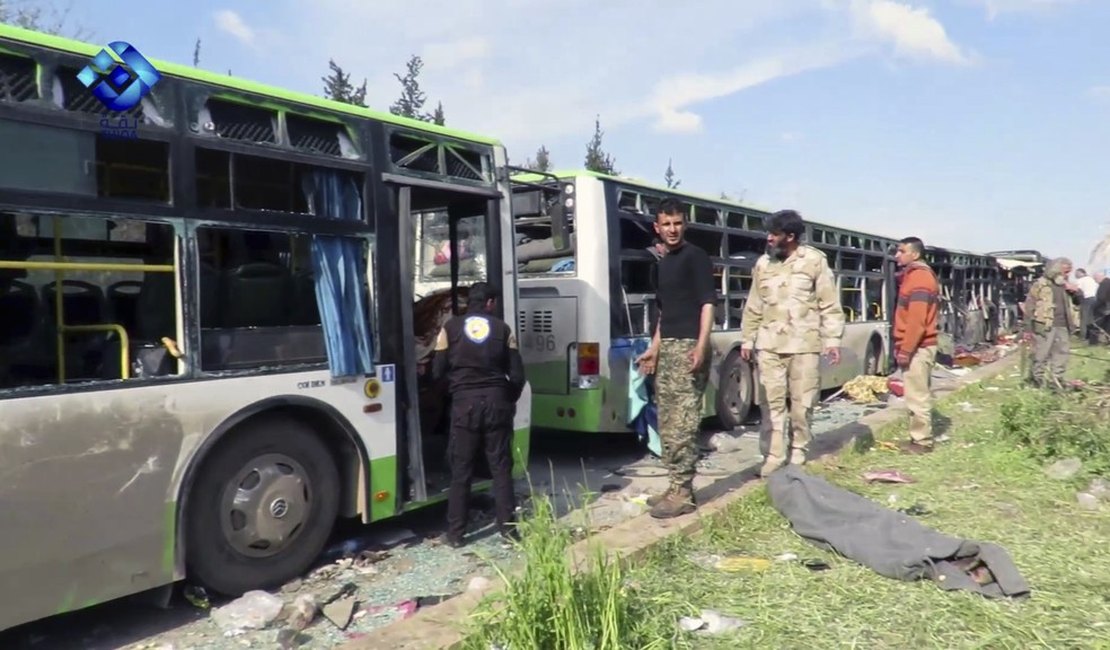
(264, 507)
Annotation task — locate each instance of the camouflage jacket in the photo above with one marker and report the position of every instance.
(1040, 308)
(793, 306)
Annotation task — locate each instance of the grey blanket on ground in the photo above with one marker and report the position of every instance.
(891, 543)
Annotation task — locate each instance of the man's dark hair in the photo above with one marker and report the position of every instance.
(479, 294)
(915, 244)
(1080, 272)
(670, 206)
(786, 222)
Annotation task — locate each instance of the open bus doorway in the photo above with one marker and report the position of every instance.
(449, 240)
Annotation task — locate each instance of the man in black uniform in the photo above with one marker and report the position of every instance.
(478, 354)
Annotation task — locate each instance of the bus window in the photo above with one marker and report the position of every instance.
(73, 310)
(257, 294)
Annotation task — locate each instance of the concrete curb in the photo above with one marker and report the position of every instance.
(441, 626)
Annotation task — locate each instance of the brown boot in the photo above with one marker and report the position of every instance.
(652, 500)
(679, 502)
(769, 466)
(797, 456)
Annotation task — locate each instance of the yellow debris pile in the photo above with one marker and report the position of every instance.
(866, 388)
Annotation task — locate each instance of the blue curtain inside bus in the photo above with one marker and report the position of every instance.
(339, 269)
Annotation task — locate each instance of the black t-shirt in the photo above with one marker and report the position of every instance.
(685, 284)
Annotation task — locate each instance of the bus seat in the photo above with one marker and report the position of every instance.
(19, 312)
(123, 299)
(256, 295)
(306, 310)
(82, 302)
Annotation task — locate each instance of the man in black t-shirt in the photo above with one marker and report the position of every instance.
(679, 355)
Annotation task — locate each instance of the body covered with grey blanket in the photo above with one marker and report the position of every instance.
(891, 543)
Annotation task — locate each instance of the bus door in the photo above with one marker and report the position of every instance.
(448, 238)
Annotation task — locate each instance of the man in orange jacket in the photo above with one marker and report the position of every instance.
(915, 340)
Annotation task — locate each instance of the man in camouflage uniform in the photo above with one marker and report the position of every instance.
(1049, 321)
(680, 348)
(792, 313)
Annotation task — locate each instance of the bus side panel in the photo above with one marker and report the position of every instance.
(547, 327)
(88, 479)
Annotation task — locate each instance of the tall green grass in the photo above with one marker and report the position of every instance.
(550, 606)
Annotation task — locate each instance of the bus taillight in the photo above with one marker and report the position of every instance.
(589, 364)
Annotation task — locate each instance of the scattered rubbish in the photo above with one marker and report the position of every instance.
(887, 445)
(887, 476)
(724, 442)
(197, 596)
(303, 611)
(916, 510)
(1087, 501)
(993, 389)
(966, 407)
(253, 610)
(966, 360)
(477, 583)
(816, 565)
(710, 622)
(969, 486)
(786, 557)
(340, 611)
(738, 563)
(292, 586)
(1064, 469)
(866, 389)
(640, 499)
(896, 387)
(1099, 488)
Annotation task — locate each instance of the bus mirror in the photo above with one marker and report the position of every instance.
(528, 204)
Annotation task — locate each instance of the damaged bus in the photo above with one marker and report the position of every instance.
(214, 307)
(585, 265)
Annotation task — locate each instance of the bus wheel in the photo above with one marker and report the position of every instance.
(871, 359)
(734, 398)
(262, 507)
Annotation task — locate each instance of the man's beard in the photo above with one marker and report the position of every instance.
(777, 252)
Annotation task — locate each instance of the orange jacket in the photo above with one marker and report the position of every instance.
(915, 318)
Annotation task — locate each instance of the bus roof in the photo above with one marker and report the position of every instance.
(12, 33)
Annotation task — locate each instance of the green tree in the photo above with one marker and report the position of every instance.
(412, 99)
(338, 87)
(542, 163)
(49, 19)
(669, 178)
(597, 160)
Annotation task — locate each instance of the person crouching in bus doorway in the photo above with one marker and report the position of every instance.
(679, 355)
(792, 312)
(477, 353)
(915, 340)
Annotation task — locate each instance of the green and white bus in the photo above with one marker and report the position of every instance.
(208, 332)
(586, 286)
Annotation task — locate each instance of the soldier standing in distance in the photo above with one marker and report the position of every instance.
(915, 338)
(793, 311)
(680, 348)
(478, 355)
(1049, 322)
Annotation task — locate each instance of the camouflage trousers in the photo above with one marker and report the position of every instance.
(1051, 347)
(679, 396)
(796, 376)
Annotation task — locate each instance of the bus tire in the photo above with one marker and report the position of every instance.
(736, 391)
(262, 506)
(873, 357)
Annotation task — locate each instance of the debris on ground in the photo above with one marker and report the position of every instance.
(866, 389)
(887, 476)
(253, 610)
(724, 442)
(738, 563)
(1087, 501)
(710, 622)
(1065, 469)
(916, 510)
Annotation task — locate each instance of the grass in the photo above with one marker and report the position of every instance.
(986, 484)
(979, 486)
